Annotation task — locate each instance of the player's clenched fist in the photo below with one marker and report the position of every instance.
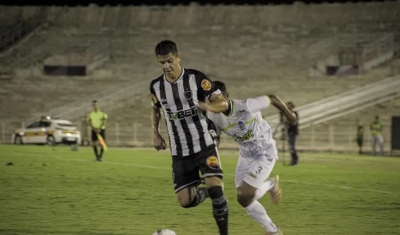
(158, 142)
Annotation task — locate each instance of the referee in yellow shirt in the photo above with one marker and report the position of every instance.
(97, 120)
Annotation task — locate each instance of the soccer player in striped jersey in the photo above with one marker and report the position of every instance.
(257, 151)
(181, 94)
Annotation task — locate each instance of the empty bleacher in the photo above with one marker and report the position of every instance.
(254, 49)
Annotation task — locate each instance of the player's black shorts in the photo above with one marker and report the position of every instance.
(185, 170)
(102, 134)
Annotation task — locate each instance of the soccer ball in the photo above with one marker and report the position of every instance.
(164, 231)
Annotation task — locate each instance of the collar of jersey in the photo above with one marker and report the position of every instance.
(232, 107)
(180, 76)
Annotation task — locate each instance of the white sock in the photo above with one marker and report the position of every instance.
(263, 189)
(259, 214)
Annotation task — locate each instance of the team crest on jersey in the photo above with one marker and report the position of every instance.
(206, 85)
(241, 125)
(188, 95)
(212, 162)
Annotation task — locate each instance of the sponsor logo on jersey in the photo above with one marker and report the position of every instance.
(206, 85)
(182, 114)
(212, 162)
(241, 111)
(249, 134)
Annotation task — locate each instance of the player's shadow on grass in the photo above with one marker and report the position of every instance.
(53, 232)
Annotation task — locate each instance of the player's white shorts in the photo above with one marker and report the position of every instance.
(254, 171)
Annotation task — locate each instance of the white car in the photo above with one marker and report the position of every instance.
(46, 131)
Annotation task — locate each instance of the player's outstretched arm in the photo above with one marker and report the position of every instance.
(158, 140)
(216, 103)
(278, 103)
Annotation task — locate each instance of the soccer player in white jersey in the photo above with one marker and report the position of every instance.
(257, 151)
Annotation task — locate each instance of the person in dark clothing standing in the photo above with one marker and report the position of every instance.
(360, 138)
(292, 132)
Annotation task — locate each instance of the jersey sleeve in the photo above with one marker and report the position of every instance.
(205, 86)
(154, 100)
(256, 104)
(105, 116)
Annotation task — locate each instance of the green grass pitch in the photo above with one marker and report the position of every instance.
(57, 191)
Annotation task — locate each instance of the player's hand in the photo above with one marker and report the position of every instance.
(159, 142)
(97, 130)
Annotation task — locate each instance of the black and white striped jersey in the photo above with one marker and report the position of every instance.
(186, 124)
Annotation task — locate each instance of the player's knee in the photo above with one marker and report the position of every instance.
(244, 198)
(213, 181)
(184, 199)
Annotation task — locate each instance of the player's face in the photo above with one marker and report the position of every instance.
(169, 63)
(225, 94)
(95, 105)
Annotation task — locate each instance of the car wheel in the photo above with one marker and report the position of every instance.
(18, 139)
(51, 141)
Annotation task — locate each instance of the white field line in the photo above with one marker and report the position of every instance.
(232, 175)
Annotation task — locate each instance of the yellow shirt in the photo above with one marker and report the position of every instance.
(376, 128)
(96, 118)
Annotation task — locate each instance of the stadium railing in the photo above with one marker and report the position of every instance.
(340, 104)
(332, 138)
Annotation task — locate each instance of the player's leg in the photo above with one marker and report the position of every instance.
(252, 183)
(296, 156)
(95, 143)
(381, 144)
(292, 148)
(210, 167)
(185, 177)
(103, 135)
(359, 143)
(374, 142)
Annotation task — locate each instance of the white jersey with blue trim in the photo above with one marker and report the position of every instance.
(247, 127)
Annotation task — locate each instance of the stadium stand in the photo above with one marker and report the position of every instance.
(254, 49)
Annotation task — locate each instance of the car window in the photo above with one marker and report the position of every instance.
(34, 125)
(45, 124)
(65, 124)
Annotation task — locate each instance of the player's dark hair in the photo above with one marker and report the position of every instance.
(220, 85)
(165, 47)
(94, 101)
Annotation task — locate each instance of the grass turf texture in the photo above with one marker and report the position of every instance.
(57, 191)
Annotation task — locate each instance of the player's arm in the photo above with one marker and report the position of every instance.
(158, 140)
(155, 119)
(214, 101)
(279, 104)
(155, 112)
(263, 102)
